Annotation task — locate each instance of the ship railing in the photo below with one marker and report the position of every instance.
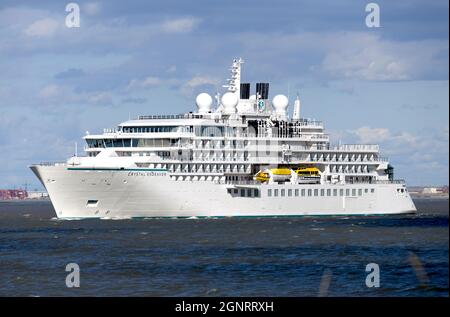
(246, 182)
(110, 130)
(253, 182)
(355, 147)
(306, 122)
(59, 163)
(394, 181)
(277, 136)
(172, 116)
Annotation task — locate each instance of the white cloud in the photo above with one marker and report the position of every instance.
(371, 135)
(179, 25)
(188, 88)
(201, 80)
(151, 81)
(412, 146)
(369, 57)
(345, 55)
(147, 82)
(42, 28)
(60, 95)
(407, 152)
(101, 98)
(397, 141)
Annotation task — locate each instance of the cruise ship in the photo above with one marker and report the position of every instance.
(240, 153)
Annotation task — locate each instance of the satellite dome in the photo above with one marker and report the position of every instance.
(204, 102)
(230, 101)
(280, 103)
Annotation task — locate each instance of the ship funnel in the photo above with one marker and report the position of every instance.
(245, 91)
(262, 90)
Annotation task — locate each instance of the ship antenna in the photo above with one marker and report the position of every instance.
(234, 82)
(289, 90)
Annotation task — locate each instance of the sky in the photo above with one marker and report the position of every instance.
(387, 85)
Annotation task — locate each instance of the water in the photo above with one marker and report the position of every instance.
(222, 257)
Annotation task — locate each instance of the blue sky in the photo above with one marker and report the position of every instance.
(386, 85)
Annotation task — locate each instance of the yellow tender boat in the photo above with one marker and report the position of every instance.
(262, 176)
(280, 171)
(278, 174)
(307, 171)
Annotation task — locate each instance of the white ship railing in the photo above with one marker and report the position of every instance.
(395, 181)
(252, 182)
(172, 116)
(247, 182)
(51, 164)
(307, 123)
(355, 147)
(110, 130)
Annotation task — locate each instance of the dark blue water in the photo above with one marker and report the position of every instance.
(223, 257)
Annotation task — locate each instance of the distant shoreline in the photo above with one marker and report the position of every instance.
(429, 196)
(27, 199)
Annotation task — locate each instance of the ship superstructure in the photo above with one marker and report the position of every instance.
(240, 156)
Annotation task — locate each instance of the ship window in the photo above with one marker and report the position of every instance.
(108, 143)
(92, 203)
(372, 190)
(316, 192)
(296, 193)
(256, 191)
(249, 193)
(353, 192)
(359, 192)
(309, 192)
(334, 192)
(366, 190)
(282, 192)
(303, 192)
(275, 192)
(347, 192)
(269, 192)
(243, 192)
(322, 192)
(328, 192)
(289, 192)
(126, 142)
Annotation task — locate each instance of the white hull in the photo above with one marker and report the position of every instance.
(152, 193)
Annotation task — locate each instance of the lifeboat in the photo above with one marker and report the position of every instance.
(307, 171)
(275, 174)
(308, 175)
(262, 177)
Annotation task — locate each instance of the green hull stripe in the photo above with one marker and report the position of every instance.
(249, 217)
